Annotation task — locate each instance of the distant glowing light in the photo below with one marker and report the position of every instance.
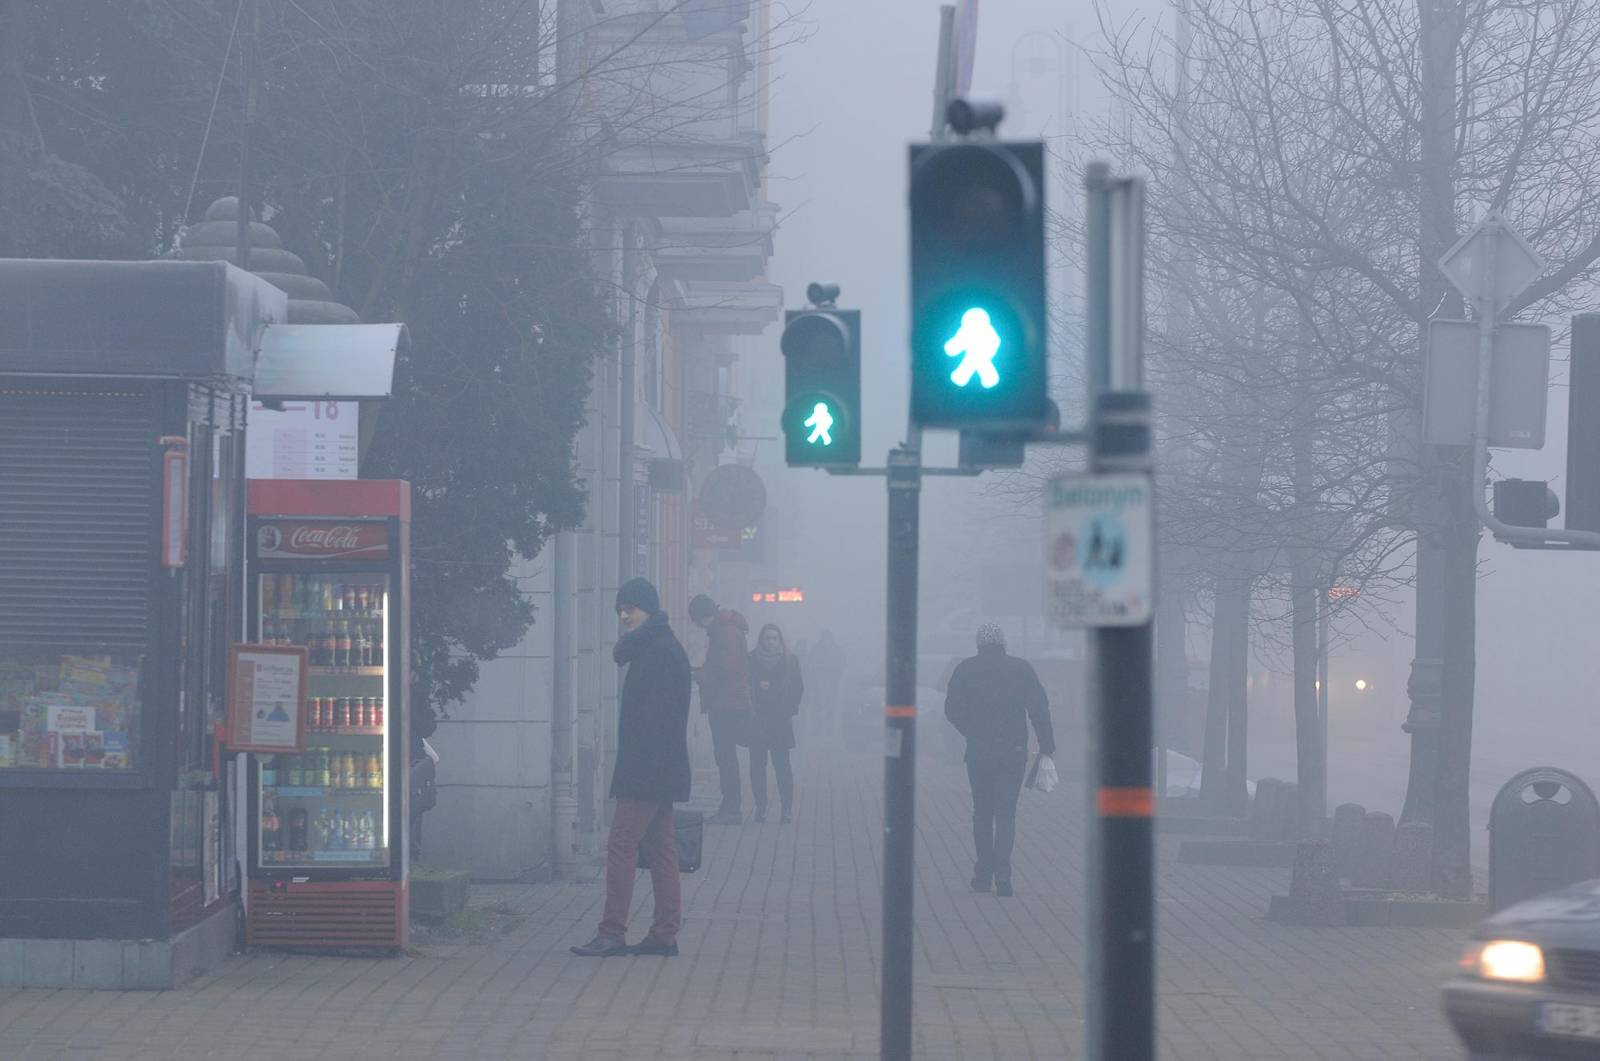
(1361, 685)
(976, 343)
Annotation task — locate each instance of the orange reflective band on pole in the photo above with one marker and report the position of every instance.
(1125, 802)
(900, 712)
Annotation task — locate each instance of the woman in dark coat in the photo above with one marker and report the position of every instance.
(775, 691)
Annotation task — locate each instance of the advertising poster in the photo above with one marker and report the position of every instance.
(266, 693)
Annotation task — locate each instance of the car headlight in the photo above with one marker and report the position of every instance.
(1505, 959)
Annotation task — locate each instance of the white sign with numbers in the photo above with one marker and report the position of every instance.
(1100, 550)
(306, 440)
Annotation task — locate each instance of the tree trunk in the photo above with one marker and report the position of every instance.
(1452, 828)
(1309, 762)
(1222, 786)
(1439, 30)
(1174, 729)
(1236, 666)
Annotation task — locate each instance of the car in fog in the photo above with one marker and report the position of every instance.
(1529, 984)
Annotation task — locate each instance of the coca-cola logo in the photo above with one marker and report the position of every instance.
(337, 537)
(321, 539)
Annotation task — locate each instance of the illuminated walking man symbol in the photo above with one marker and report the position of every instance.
(821, 425)
(976, 343)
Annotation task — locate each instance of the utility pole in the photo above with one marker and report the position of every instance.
(900, 677)
(1121, 1021)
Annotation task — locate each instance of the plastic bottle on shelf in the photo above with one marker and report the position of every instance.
(377, 772)
(271, 827)
(297, 829)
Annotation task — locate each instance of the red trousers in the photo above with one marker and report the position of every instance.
(637, 822)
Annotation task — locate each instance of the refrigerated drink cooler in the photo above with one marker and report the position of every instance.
(327, 851)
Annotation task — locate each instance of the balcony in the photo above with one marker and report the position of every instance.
(727, 249)
(720, 307)
(671, 98)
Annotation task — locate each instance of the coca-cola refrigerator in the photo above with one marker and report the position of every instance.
(327, 838)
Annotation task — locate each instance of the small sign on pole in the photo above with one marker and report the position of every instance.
(266, 693)
(1518, 384)
(1100, 540)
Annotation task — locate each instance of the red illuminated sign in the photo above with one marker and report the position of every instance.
(779, 596)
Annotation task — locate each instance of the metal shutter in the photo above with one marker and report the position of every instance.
(79, 470)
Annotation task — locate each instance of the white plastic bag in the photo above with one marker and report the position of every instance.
(1045, 778)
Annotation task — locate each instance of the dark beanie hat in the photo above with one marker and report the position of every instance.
(639, 593)
(701, 607)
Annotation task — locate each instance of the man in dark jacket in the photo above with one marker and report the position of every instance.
(652, 773)
(724, 697)
(990, 700)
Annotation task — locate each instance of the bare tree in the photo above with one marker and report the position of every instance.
(1332, 150)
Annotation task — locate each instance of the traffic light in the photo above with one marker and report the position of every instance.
(1583, 424)
(822, 382)
(1524, 502)
(978, 302)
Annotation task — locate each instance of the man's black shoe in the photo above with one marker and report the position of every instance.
(980, 884)
(659, 948)
(786, 819)
(601, 947)
(726, 817)
(761, 816)
(1002, 888)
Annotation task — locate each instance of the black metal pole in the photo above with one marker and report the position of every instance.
(900, 753)
(1121, 1024)
(1124, 799)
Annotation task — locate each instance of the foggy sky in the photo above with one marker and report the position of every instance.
(845, 105)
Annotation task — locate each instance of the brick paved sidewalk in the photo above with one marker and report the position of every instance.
(779, 962)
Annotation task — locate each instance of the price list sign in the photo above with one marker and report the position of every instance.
(304, 440)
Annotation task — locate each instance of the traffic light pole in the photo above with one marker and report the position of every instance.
(1121, 1021)
(900, 748)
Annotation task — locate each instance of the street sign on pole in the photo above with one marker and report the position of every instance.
(1491, 262)
(1100, 535)
(1519, 381)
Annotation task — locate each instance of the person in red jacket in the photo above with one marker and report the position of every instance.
(724, 696)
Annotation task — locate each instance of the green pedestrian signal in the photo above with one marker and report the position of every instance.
(978, 303)
(822, 382)
(821, 424)
(977, 344)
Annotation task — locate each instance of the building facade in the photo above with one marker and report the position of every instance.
(673, 97)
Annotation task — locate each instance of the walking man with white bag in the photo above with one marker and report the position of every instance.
(990, 699)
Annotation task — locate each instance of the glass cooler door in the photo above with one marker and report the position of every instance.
(328, 807)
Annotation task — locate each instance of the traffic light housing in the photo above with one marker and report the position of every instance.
(822, 387)
(1583, 425)
(1525, 502)
(979, 314)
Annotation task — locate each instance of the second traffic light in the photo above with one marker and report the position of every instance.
(822, 384)
(978, 303)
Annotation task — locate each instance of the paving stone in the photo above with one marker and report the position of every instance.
(780, 960)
